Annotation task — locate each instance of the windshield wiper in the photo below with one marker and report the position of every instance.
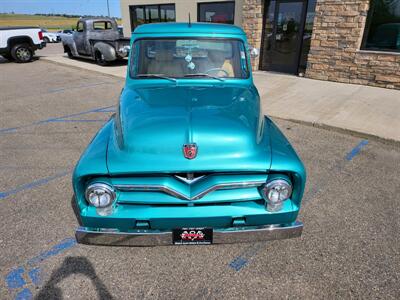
(162, 76)
(204, 75)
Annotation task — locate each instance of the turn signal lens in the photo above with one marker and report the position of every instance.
(275, 192)
(100, 195)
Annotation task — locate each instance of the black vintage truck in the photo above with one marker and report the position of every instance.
(97, 39)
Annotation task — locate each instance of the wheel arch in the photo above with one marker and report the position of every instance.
(107, 50)
(23, 39)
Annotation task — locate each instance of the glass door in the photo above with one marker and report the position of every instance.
(282, 37)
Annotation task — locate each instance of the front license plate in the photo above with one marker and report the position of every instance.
(192, 236)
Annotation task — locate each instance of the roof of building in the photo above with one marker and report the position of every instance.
(209, 28)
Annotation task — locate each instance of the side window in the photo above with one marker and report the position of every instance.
(79, 27)
(102, 25)
(382, 30)
(143, 14)
(216, 12)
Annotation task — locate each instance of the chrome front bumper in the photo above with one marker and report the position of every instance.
(110, 237)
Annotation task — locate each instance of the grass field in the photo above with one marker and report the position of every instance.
(49, 22)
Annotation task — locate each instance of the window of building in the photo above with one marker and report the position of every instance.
(216, 12)
(102, 25)
(382, 30)
(308, 26)
(142, 14)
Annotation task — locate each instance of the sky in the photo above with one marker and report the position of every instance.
(73, 7)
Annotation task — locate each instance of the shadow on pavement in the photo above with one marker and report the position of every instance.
(3, 60)
(72, 265)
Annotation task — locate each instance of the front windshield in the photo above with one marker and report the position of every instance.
(186, 58)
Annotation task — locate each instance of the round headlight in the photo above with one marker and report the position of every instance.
(100, 195)
(275, 192)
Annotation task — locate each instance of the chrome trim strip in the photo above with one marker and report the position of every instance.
(113, 237)
(174, 193)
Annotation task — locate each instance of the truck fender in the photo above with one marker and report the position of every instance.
(107, 50)
(68, 42)
(19, 40)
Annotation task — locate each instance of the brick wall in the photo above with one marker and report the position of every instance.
(334, 54)
(252, 24)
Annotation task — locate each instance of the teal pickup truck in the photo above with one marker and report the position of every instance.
(188, 158)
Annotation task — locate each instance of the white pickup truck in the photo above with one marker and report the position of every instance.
(20, 43)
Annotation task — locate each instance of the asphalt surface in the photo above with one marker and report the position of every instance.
(49, 113)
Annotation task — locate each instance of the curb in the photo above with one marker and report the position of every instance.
(44, 58)
(387, 141)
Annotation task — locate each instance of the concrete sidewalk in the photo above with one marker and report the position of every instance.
(357, 108)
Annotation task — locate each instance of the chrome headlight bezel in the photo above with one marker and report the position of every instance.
(282, 187)
(100, 189)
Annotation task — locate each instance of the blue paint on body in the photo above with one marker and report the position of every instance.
(25, 294)
(356, 150)
(14, 278)
(32, 184)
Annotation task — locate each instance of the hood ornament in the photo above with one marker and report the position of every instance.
(190, 150)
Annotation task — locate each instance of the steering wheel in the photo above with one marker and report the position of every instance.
(217, 70)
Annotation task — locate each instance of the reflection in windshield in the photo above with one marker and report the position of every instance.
(189, 58)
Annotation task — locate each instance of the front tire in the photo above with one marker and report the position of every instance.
(100, 60)
(69, 53)
(22, 53)
(46, 40)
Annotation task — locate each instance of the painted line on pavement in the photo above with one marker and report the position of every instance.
(29, 273)
(32, 184)
(78, 121)
(240, 261)
(105, 109)
(78, 87)
(356, 150)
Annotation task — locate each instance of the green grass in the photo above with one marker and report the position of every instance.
(49, 22)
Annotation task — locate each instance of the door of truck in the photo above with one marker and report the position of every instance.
(80, 38)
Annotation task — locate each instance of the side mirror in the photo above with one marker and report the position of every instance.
(254, 52)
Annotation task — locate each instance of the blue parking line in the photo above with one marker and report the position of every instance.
(74, 115)
(25, 294)
(77, 121)
(32, 184)
(35, 276)
(8, 129)
(238, 263)
(356, 150)
(55, 250)
(78, 87)
(30, 270)
(96, 110)
(14, 279)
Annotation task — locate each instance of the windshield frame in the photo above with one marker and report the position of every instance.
(133, 52)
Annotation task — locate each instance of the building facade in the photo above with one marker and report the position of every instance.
(351, 41)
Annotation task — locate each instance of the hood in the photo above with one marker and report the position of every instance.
(153, 123)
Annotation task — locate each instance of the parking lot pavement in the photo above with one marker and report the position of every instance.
(54, 53)
(49, 113)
